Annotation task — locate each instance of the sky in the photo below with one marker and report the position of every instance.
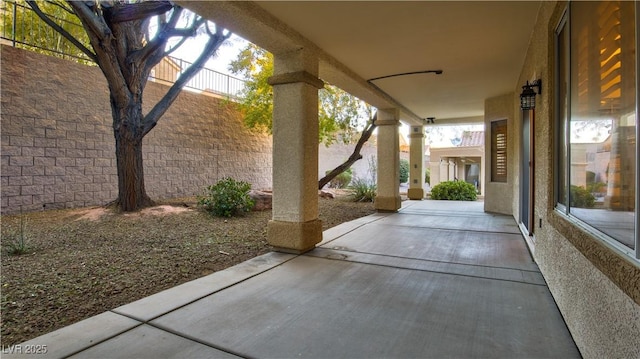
(441, 136)
(227, 52)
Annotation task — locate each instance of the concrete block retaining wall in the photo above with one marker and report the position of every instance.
(58, 148)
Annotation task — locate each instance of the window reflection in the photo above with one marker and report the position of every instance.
(562, 114)
(603, 120)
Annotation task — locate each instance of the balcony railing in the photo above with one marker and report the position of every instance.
(21, 27)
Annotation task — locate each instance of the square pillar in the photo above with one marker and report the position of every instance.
(388, 186)
(416, 163)
(444, 169)
(295, 227)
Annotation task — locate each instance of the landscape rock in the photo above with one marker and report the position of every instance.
(263, 200)
(325, 193)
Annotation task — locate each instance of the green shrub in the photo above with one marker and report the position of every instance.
(404, 170)
(227, 198)
(363, 190)
(427, 176)
(454, 190)
(16, 240)
(581, 198)
(342, 180)
(597, 187)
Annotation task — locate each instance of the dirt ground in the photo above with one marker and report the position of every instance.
(83, 262)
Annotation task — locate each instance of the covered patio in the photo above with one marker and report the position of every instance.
(437, 279)
(420, 278)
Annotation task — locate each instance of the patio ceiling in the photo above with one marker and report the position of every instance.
(480, 47)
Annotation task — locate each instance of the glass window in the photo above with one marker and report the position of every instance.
(596, 117)
(499, 151)
(562, 112)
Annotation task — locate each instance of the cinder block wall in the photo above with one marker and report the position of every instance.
(334, 155)
(337, 153)
(58, 149)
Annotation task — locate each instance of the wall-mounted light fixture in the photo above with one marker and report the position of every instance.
(528, 95)
(430, 120)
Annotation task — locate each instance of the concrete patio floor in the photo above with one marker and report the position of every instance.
(437, 280)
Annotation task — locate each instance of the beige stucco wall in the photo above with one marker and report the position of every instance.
(596, 289)
(334, 155)
(500, 196)
(58, 149)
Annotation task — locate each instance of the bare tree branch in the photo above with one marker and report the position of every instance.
(62, 6)
(176, 46)
(116, 30)
(123, 12)
(151, 119)
(355, 155)
(92, 22)
(34, 5)
(105, 53)
(184, 32)
(206, 27)
(160, 40)
(223, 31)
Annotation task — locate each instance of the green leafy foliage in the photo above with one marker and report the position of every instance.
(581, 198)
(598, 187)
(256, 65)
(339, 113)
(16, 241)
(227, 198)
(35, 35)
(363, 190)
(404, 170)
(342, 180)
(427, 176)
(454, 191)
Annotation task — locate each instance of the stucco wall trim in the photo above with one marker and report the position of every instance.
(620, 270)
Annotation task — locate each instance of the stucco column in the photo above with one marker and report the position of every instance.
(416, 163)
(444, 169)
(295, 226)
(452, 169)
(388, 197)
(434, 167)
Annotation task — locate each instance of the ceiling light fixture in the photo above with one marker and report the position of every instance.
(528, 95)
(430, 120)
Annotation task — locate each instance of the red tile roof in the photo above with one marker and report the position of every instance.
(472, 139)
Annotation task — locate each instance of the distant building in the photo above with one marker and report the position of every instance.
(165, 72)
(463, 161)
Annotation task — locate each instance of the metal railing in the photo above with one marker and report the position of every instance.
(21, 27)
(206, 80)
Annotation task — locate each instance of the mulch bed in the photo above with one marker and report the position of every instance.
(83, 262)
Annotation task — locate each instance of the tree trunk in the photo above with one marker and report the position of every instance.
(116, 32)
(355, 155)
(128, 135)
